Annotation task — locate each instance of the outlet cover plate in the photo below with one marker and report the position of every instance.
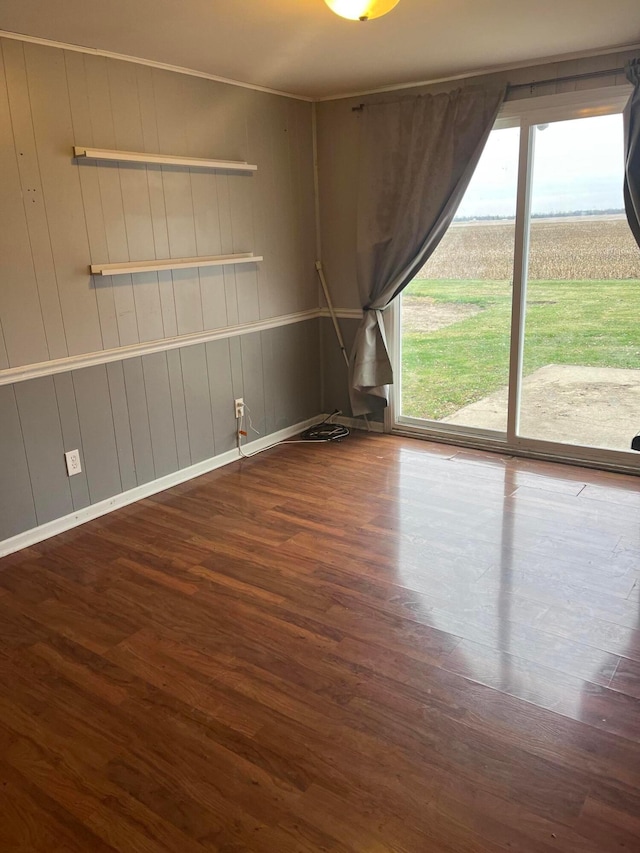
(72, 458)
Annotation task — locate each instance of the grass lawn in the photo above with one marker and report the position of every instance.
(590, 323)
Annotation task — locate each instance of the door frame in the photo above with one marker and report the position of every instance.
(525, 113)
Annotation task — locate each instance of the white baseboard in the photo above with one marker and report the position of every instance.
(75, 519)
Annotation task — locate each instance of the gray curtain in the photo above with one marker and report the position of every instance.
(417, 156)
(632, 151)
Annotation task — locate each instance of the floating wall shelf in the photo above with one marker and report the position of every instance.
(82, 153)
(173, 264)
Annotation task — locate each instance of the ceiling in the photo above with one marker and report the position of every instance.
(301, 47)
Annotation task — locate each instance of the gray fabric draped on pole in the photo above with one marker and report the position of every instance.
(417, 156)
(632, 151)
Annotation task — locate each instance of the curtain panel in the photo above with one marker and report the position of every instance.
(632, 151)
(417, 156)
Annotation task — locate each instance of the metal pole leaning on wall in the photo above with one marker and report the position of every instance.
(336, 326)
(334, 319)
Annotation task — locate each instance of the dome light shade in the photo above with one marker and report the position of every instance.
(361, 10)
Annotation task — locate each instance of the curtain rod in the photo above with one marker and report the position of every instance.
(568, 78)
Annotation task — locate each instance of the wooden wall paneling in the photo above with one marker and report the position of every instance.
(42, 433)
(179, 408)
(226, 242)
(335, 386)
(297, 220)
(139, 420)
(259, 150)
(125, 103)
(169, 100)
(197, 402)
(4, 358)
(33, 199)
(71, 437)
(241, 194)
(285, 296)
(287, 364)
(310, 338)
(111, 198)
(121, 425)
(280, 227)
(17, 508)
(24, 331)
(266, 123)
(226, 115)
(205, 138)
(237, 379)
(63, 199)
(307, 283)
(254, 391)
(89, 174)
(158, 396)
(269, 381)
(222, 397)
(149, 122)
(338, 129)
(95, 412)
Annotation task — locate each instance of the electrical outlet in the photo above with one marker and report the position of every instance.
(72, 458)
(239, 407)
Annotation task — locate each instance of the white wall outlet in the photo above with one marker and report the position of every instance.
(72, 458)
(239, 407)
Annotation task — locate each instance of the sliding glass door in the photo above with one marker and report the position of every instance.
(455, 319)
(522, 328)
(581, 366)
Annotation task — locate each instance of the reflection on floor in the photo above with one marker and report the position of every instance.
(586, 406)
(379, 645)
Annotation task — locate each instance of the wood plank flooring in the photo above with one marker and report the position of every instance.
(382, 645)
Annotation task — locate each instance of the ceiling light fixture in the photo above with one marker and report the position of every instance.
(361, 10)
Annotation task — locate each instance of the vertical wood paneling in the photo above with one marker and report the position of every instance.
(160, 414)
(306, 288)
(91, 195)
(221, 394)
(121, 425)
(71, 436)
(270, 381)
(4, 358)
(17, 509)
(139, 419)
(24, 332)
(197, 402)
(169, 101)
(42, 433)
(111, 197)
(156, 196)
(237, 379)
(203, 135)
(258, 152)
(127, 122)
(251, 349)
(19, 105)
(63, 199)
(98, 436)
(179, 408)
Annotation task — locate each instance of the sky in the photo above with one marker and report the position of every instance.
(578, 165)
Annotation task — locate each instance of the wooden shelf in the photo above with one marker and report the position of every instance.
(173, 264)
(82, 153)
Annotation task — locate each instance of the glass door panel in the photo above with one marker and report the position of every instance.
(455, 315)
(581, 364)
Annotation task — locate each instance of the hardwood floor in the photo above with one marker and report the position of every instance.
(378, 645)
